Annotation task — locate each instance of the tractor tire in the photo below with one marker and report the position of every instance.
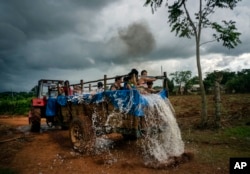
(82, 134)
(35, 119)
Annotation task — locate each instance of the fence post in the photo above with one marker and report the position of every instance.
(217, 98)
(165, 83)
(105, 82)
(89, 87)
(81, 83)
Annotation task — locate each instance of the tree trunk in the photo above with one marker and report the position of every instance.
(202, 89)
(197, 30)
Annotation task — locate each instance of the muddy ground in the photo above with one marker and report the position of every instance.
(50, 151)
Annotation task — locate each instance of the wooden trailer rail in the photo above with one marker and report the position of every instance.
(106, 82)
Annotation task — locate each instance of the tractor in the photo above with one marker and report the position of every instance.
(114, 115)
(47, 92)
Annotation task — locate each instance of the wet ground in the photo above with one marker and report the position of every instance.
(50, 151)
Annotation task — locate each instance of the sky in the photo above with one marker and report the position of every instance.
(83, 39)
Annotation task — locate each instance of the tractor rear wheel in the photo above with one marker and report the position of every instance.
(81, 134)
(35, 119)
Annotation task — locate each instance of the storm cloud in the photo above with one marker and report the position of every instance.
(73, 39)
(138, 38)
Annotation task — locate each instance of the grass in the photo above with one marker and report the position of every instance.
(242, 132)
(214, 147)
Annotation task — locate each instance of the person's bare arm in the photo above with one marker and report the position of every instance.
(149, 79)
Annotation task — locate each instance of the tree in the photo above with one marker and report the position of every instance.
(170, 85)
(244, 79)
(211, 77)
(181, 77)
(239, 83)
(189, 26)
(194, 80)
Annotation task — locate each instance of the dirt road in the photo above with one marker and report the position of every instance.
(50, 152)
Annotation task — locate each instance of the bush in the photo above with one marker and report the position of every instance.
(15, 107)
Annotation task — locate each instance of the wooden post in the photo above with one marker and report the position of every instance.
(217, 98)
(67, 86)
(81, 83)
(89, 87)
(58, 88)
(165, 82)
(105, 82)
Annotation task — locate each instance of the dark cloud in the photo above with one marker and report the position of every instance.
(179, 50)
(138, 38)
(44, 19)
(132, 43)
(11, 37)
(43, 34)
(219, 48)
(40, 38)
(36, 19)
(92, 4)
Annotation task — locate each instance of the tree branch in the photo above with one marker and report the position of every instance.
(189, 18)
(207, 42)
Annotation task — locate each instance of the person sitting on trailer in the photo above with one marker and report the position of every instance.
(150, 88)
(130, 81)
(67, 89)
(99, 87)
(117, 84)
(142, 82)
(77, 90)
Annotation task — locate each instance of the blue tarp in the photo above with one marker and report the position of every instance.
(128, 101)
(62, 100)
(51, 107)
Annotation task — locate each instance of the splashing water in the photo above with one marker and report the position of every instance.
(162, 138)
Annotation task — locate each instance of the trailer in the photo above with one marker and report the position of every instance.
(113, 115)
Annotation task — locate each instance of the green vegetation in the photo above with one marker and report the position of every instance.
(241, 132)
(214, 147)
(232, 82)
(238, 82)
(13, 103)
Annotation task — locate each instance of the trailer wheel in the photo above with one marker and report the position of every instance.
(82, 134)
(35, 119)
